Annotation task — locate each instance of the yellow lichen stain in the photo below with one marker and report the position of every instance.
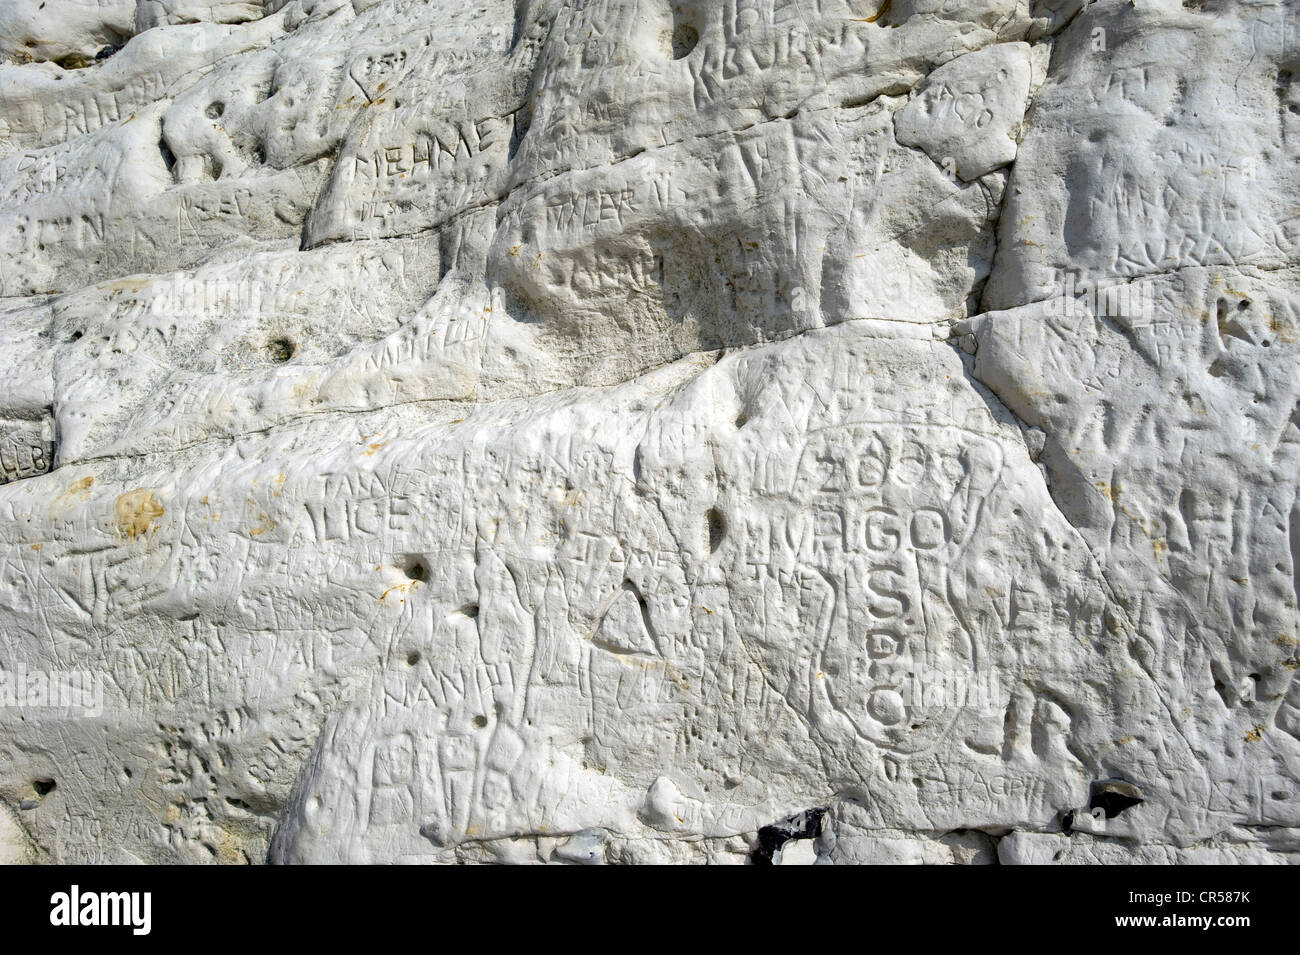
(1255, 735)
(228, 846)
(37, 546)
(1280, 332)
(400, 588)
(77, 491)
(265, 523)
(1125, 741)
(134, 286)
(373, 449)
(884, 8)
(1111, 491)
(136, 512)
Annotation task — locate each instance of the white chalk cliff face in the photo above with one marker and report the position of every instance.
(650, 430)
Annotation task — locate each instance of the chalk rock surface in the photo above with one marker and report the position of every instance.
(649, 431)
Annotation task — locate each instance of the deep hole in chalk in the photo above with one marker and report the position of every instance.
(1114, 796)
(215, 110)
(803, 825)
(412, 659)
(685, 39)
(44, 787)
(716, 527)
(168, 157)
(281, 350)
(415, 568)
(73, 61)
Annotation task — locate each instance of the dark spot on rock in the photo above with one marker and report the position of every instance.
(168, 157)
(804, 825)
(1113, 796)
(281, 350)
(716, 526)
(415, 568)
(685, 39)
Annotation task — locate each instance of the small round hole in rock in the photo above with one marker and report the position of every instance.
(416, 569)
(281, 350)
(215, 110)
(412, 659)
(480, 722)
(44, 787)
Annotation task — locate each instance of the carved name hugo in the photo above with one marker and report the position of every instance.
(855, 540)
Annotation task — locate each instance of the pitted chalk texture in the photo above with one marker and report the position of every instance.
(649, 431)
